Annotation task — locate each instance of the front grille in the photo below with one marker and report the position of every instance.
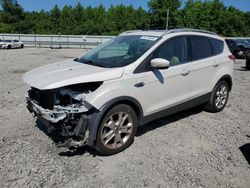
(44, 99)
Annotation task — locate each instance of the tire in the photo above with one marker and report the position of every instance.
(219, 97)
(248, 61)
(248, 64)
(8, 47)
(22, 45)
(117, 130)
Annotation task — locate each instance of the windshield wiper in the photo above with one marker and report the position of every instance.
(89, 62)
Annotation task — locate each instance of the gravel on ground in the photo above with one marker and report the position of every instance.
(193, 148)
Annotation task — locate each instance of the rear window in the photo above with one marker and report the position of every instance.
(217, 46)
(200, 47)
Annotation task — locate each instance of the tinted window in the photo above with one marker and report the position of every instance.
(230, 42)
(200, 47)
(174, 50)
(217, 46)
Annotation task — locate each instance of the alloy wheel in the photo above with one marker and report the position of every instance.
(116, 130)
(221, 96)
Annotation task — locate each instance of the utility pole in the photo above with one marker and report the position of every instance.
(167, 19)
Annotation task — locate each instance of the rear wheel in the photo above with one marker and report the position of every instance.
(22, 45)
(117, 130)
(9, 47)
(219, 97)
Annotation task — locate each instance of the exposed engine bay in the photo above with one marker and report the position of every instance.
(64, 110)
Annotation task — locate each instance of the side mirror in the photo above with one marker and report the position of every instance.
(159, 63)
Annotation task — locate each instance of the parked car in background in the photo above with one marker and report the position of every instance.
(235, 49)
(100, 98)
(2, 43)
(11, 44)
(243, 44)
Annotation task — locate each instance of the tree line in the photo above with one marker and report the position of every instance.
(211, 15)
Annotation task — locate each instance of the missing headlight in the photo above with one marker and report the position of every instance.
(57, 104)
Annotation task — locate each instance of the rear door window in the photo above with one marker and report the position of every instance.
(200, 47)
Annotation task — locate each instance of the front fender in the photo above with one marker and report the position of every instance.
(113, 90)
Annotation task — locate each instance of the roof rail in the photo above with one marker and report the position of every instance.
(188, 30)
(131, 31)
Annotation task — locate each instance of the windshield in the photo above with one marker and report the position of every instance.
(119, 52)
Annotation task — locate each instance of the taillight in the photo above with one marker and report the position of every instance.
(231, 57)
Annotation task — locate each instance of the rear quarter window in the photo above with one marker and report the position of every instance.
(217, 46)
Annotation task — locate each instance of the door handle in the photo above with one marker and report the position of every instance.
(185, 72)
(141, 84)
(216, 65)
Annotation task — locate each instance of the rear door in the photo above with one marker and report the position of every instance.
(204, 62)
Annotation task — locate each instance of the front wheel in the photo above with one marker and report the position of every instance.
(117, 130)
(219, 97)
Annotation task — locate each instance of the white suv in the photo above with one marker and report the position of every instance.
(139, 76)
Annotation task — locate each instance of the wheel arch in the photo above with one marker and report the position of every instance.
(96, 118)
(228, 79)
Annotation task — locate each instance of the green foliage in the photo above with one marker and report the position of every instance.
(5, 28)
(214, 16)
(209, 14)
(11, 16)
(55, 15)
(158, 12)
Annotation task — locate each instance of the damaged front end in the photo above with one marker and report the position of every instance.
(64, 111)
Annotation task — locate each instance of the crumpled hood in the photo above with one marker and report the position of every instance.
(68, 73)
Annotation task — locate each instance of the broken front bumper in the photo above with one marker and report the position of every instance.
(58, 113)
(70, 123)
